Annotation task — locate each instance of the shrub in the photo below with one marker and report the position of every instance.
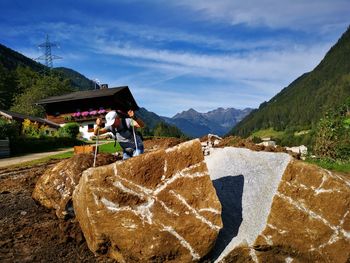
(68, 118)
(70, 130)
(332, 140)
(22, 145)
(34, 129)
(256, 139)
(8, 129)
(30, 129)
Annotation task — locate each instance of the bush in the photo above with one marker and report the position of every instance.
(289, 139)
(332, 140)
(34, 129)
(22, 145)
(8, 129)
(70, 130)
(256, 139)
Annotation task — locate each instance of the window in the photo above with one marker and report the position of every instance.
(91, 127)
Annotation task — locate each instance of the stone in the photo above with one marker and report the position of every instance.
(157, 207)
(55, 187)
(278, 209)
(309, 214)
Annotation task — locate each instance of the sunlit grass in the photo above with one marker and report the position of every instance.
(109, 148)
(329, 165)
(268, 133)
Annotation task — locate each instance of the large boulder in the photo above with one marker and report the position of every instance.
(291, 211)
(156, 207)
(55, 187)
(310, 217)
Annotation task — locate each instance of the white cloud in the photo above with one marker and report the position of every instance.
(272, 65)
(168, 102)
(297, 14)
(234, 78)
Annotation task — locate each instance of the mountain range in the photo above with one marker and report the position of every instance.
(304, 102)
(218, 121)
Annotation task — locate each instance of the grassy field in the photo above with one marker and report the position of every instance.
(333, 166)
(104, 148)
(268, 133)
(109, 148)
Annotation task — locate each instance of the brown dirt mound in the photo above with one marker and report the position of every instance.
(235, 141)
(31, 233)
(161, 143)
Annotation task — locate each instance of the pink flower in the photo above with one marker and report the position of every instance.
(76, 114)
(92, 113)
(101, 111)
(85, 113)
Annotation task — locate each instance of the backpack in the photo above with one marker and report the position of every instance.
(126, 128)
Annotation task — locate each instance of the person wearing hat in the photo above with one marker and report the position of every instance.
(124, 132)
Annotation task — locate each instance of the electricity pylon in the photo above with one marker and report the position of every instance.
(48, 57)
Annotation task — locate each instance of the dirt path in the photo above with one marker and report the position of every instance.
(28, 157)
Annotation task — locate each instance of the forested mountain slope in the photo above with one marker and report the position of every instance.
(302, 104)
(11, 60)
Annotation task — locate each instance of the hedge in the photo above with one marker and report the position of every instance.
(22, 145)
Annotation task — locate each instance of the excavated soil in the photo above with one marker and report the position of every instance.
(235, 141)
(161, 143)
(31, 233)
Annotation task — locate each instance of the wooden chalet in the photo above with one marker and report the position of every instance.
(84, 107)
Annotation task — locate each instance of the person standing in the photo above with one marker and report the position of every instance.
(124, 131)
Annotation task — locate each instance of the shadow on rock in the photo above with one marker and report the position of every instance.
(229, 189)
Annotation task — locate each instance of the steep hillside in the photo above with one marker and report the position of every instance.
(188, 127)
(78, 80)
(11, 59)
(218, 121)
(304, 101)
(150, 118)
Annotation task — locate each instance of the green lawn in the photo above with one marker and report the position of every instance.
(104, 148)
(268, 133)
(109, 148)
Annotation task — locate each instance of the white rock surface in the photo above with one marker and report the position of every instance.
(246, 182)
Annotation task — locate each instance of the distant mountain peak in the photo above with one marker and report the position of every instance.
(218, 121)
(187, 114)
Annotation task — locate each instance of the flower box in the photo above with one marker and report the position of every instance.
(85, 114)
(76, 114)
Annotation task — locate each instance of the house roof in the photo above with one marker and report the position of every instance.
(86, 94)
(21, 117)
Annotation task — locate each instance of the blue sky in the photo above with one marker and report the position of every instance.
(181, 54)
